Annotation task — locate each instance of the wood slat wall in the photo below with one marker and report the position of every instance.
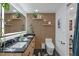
(15, 24)
(40, 30)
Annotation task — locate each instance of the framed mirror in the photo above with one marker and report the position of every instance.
(14, 21)
(0, 21)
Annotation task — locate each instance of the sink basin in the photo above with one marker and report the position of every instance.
(19, 45)
(25, 39)
(10, 49)
(30, 36)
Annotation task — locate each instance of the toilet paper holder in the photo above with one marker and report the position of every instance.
(62, 42)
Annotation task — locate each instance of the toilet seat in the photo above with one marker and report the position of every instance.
(49, 45)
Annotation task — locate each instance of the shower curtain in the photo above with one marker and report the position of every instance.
(76, 34)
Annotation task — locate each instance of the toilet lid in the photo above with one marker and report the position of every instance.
(50, 45)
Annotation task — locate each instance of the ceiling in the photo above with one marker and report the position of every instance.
(41, 7)
(31, 7)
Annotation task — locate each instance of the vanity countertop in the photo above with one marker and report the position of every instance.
(19, 46)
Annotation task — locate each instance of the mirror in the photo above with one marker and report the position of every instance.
(0, 22)
(14, 21)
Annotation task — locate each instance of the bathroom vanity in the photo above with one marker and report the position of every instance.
(20, 48)
(11, 42)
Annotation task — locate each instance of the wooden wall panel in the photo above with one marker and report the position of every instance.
(40, 30)
(15, 24)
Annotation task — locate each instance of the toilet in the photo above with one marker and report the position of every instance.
(49, 46)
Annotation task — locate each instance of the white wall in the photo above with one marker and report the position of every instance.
(61, 33)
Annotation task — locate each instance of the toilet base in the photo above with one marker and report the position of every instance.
(53, 53)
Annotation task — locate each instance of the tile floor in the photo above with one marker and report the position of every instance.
(42, 52)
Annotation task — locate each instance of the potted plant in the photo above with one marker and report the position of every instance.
(18, 14)
(35, 15)
(6, 6)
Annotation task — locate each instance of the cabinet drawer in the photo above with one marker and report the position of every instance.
(33, 45)
(26, 53)
(29, 51)
(33, 40)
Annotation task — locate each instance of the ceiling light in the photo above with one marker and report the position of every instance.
(71, 8)
(36, 10)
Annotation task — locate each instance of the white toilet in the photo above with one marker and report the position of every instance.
(49, 46)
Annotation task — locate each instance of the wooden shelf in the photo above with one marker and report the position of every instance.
(37, 18)
(7, 24)
(70, 51)
(16, 18)
(47, 24)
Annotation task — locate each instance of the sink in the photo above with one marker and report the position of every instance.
(30, 36)
(19, 45)
(26, 39)
(10, 49)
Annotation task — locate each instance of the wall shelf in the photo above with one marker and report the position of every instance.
(37, 18)
(8, 25)
(16, 18)
(47, 24)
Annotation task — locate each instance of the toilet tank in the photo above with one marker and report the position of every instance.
(48, 40)
(49, 43)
